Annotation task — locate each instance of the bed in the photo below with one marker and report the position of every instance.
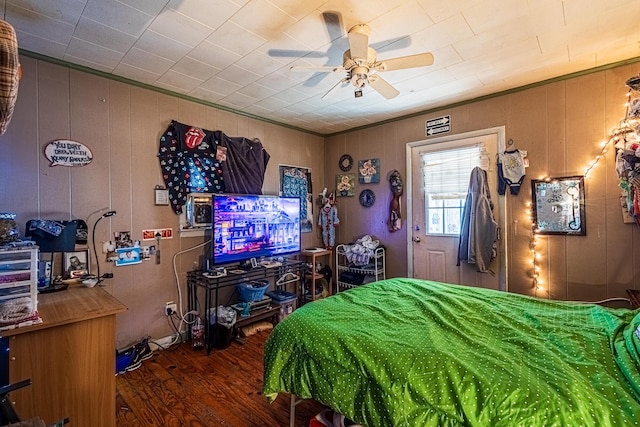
(409, 352)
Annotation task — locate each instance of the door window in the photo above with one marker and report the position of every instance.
(446, 175)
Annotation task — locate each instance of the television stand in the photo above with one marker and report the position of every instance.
(198, 280)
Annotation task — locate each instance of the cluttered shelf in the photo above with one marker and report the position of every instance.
(355, 269)
(277, 277)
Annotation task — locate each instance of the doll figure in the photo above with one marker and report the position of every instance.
(328, 221)
(397, 189)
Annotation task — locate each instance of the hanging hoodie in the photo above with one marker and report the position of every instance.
(479, 229)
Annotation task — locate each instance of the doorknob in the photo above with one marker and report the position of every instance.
(416, 239)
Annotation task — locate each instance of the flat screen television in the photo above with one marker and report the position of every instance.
(246, 226)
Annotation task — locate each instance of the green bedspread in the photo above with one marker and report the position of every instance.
(408, 352)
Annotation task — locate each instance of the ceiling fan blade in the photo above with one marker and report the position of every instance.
(305, 69)
(402, 62)
(383, 87)
(359, 41)
(331, 91)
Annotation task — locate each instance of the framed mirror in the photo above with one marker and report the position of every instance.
(558, 206)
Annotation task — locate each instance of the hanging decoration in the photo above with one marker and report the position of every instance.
(295, 181)
(626, 140)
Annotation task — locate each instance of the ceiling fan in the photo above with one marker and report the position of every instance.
(362, 67)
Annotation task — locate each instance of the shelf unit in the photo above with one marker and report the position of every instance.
(289, 271)
(19, 274)
(312, 277)
(375, 269)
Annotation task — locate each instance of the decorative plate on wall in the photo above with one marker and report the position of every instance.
(367, 198)
(345, 163)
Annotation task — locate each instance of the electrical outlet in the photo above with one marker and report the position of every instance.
(170, 308)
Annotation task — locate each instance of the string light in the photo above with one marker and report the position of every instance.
(625, 127)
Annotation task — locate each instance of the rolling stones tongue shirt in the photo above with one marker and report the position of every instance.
(190, 160)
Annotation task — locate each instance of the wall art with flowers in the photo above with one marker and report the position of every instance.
(369, 171)
(345, 185)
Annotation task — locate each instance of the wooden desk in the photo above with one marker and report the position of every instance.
(70, 358)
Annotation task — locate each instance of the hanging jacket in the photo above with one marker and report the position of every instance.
(479, 230)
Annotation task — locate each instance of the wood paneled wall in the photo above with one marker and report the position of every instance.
(561, 124)
(121, 124)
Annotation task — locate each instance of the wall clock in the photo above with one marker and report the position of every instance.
(367, 198)
(345, 163)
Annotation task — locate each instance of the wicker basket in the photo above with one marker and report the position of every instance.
(253, 290)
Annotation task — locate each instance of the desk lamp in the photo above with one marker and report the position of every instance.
(93, 240)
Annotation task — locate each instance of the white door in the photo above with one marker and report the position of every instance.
(433, 255)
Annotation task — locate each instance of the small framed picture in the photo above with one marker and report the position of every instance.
(76, 264)
(127, 256)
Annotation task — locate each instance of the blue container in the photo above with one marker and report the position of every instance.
(252, 291)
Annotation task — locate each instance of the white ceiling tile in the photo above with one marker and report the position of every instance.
(97, 54)
(137, 74)
(296, 8)
(272, 104)
(179, 27)
(41, 45)
(30, 22)
(214, 55)
(147, 61)
(117, 15)
(444, 33)
(491, 15)
(160, 45)
(235, 38)
(238, 100)
(211, 13)
(99, 34)
(178, 80)
(206, 95)
(312, 31)
(259, 63)
(263, 18)
(150, 7)
(67, 11)
(257, 91)
(393, 23)
(239, 75)
(87, 63)
(199, 70)
(238, 52)
(220, 85)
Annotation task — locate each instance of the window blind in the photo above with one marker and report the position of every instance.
(448, 171)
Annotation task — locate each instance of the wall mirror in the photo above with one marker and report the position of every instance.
(558, 206)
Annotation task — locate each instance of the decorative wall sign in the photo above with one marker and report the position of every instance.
(558, 206)
(345, 163)
(367, 198)
(63, 152)
(369, 171)
(345, 185)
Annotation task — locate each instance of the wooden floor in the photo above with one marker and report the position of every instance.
(190, 388)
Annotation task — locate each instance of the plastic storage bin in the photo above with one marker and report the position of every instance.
(287, 301)
(253, 290)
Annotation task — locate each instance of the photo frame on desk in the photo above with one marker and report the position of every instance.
(76, 263)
